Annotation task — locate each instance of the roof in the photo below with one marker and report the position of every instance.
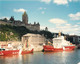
(30, 34)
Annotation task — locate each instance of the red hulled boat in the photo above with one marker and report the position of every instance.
(15, 52)
(9, 50)
(59, 44)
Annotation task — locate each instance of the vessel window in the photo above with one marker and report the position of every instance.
(57, 41)
(2, 49)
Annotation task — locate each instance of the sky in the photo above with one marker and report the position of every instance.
(57, 15)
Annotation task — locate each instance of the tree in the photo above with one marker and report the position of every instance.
(5, 19)
(47, 34)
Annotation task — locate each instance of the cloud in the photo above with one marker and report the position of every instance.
(57, 21)
(75, 0)
(68, 24)
(70, 29)
(4, 17)
(64, 2)
(42, 8)
(42, 27)
(66, 28)
(19, 10)
(59, 2)
(70, 0)
(63, 26)
(78, 23)
(75, 16)
(46, 1)
(19, 0)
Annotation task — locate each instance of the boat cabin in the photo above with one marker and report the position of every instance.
(60, 42)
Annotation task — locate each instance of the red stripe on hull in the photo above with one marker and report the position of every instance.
(27, 52)
(10, 52)
(48, 48)
(69, 48)
(58, 49)
(15, 52)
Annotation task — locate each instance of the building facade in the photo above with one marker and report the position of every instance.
(34, 39)
(74, 39)
(24, 22)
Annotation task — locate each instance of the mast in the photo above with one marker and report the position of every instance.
(59, 34)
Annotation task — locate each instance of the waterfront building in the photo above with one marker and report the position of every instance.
(34, 39)
(73, 38)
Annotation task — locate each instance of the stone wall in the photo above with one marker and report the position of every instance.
(19, 23)
(4, 23)
(34, 39)
(33, 27)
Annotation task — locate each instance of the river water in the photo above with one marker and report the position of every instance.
(70, 57)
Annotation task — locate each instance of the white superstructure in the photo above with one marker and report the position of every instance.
(59, 42)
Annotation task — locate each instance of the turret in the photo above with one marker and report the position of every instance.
(46, 29)
(25, 18)
(12, 18)
(38, 24)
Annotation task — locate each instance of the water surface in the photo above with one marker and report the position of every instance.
(70, 57)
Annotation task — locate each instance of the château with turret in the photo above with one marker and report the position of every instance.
(24, 22)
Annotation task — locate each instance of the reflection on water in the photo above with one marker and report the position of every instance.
(72, 57)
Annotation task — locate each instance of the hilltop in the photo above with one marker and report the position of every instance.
(14, 33)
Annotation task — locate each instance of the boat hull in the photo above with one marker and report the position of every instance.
(49, 48)
(14, 52)
(27, 51)
(69, 48)
(9, 52)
